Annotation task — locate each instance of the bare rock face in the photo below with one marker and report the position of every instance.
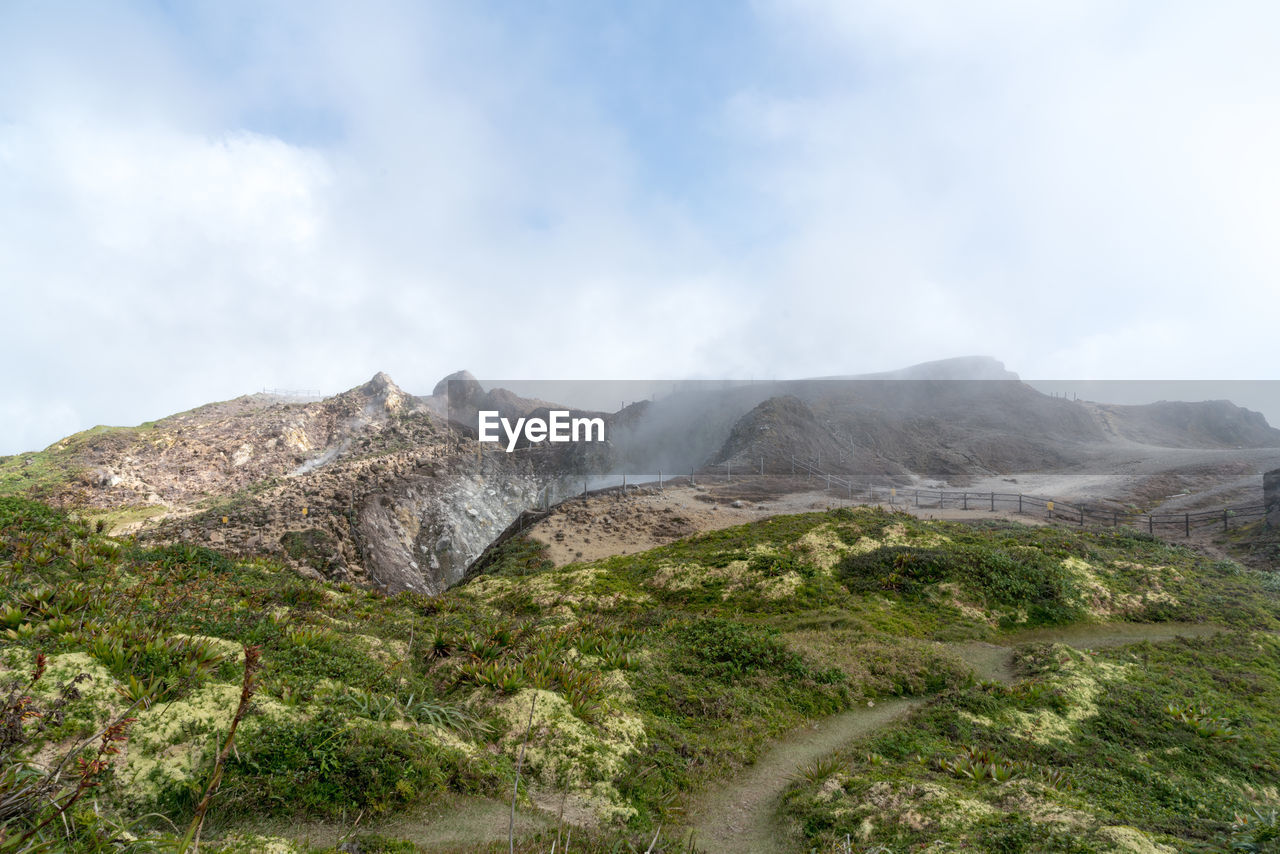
(411, 520)
(422, 534)
(372, 485)
(222, 448)
(384, 394)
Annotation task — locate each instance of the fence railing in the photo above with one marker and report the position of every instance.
(1077, 512)
(293, 392)
(863, 490)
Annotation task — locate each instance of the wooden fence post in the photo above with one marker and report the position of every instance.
(1187, 521)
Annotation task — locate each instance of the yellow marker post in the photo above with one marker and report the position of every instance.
(304, 511)
(224, 520)
(1050, 505)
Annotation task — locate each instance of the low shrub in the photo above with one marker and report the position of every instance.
(329, 764)
(1019, 578)
(722, 649)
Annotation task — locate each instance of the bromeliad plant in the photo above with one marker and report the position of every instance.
(1203, 722)
(33, 797)
(980, 765)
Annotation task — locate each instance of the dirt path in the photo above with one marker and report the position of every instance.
(741, 814)
(454, 824)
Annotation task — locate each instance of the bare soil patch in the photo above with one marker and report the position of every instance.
(607, 524)
(612, 523)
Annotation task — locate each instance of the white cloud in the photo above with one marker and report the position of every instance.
(249, 196)
(155, 193)
(1074, 175)
(442, 225)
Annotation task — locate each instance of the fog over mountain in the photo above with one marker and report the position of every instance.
(199, 200)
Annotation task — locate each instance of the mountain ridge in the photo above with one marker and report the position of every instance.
(387, 488)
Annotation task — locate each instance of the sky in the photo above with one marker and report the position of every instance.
(204, 199)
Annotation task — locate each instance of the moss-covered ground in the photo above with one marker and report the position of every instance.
(634, 683)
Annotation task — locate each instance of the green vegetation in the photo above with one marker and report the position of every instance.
(1177, 742)
(633, 683)
(58, 468)
(1258, 544)
(312, 547)
(122, 518)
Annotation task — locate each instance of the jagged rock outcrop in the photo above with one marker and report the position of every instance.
(421, 534)
(222, 448)
(399, 500)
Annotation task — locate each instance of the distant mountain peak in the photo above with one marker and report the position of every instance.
(957, 368)
(382, 392)
(469, 386)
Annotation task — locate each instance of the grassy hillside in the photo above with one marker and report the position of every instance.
(1153, 747)
(631, 685)
(57, 469)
